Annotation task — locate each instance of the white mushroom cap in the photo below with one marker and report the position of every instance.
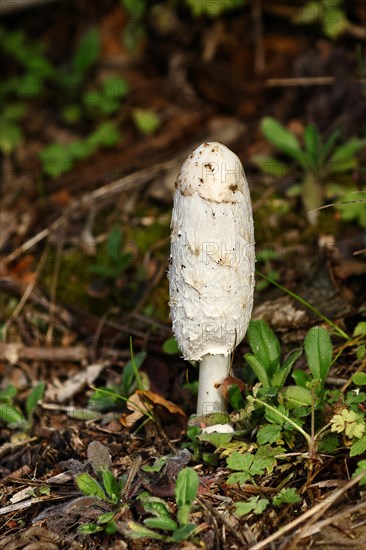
(212, 253)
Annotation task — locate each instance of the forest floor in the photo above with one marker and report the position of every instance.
(84, 239)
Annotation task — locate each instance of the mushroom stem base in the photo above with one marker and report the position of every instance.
(213, 370)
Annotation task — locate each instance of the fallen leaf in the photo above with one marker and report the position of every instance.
(231, 381)
(145, 402)
(75, 384)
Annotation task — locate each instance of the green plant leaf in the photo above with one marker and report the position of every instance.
(312, 143)
(213, 8)
(328, 443)
(296, 396)
(347, 151)
(14, 111)
(111, 485)
(360, 329)
(283, 139)
(106, 517)
(239, 461)
(80, 149)
(258, 369)
(184, 532)
(319, 352)
(270, 165)
(254, 504)
(268, 434)
(286, 496)
(307, 14)
(115, 87)
(167, 524)
(10, 136)
(110, 528)
(135, 530)
(235, 398)
(328, 146)
(358, 447)
(147, 122)
(185, 492)
(12, 416)
(359, 378)
(156, 506)
(264, 345)
(349, 422)
(105, 135)
(361, 468)
(156, 467)
(55, 160)
(90, 486)
(136, 8)
(128, 373)
(87, 52)
(216, 439)
(279, 377)
(35, 395)
(170, 347)
(334, 21)
(109, 272)
(273, 417)
(114, 243)
(238, 477)
(352, 207)
(301, 377)
(89, 528)
(7, 395)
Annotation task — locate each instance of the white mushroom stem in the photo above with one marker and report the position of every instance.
(212, 372)
(211, 275)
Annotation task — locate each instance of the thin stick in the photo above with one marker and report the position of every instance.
(317, 510)
(29, 289)
(18, 351)
(223, 520)
(11, 6)
(133, 471)
(306, 532)
(54, 283)
(259, 53)
(300, 81)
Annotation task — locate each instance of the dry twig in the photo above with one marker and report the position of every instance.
(314, 513)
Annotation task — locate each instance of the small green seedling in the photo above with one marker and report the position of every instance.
(112, 261)
(317, 161)
(11, 132)
(247, 466)
(106, 487)
(213, 8)
(257, 505)
(58, 158)
(265, 359)
(11, 415)
(180, 528)
(107, 398)
(147, 122)
(329, 15)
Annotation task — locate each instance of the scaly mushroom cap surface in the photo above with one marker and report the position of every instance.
(211, 273)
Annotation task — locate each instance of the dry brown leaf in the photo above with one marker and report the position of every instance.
(75, 384)
(144, 402)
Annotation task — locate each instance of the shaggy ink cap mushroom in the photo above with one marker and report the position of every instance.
(211, 275)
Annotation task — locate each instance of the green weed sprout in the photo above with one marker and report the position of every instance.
(180, 528)
(11, 415)
(317, 160)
